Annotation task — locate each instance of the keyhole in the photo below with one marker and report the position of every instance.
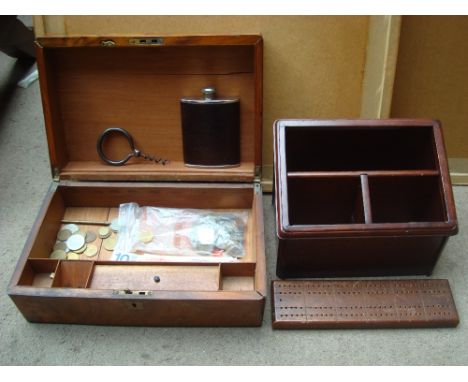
(156, 279)
(134, 305)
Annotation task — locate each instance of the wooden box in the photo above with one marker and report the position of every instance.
(90, 84)
(361, 197)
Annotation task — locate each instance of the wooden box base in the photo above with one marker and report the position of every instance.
(361, 198)
(104, 292)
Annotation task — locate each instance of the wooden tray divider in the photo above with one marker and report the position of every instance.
(366, 201)
(73, 274)
(311, 174)
(365, 178)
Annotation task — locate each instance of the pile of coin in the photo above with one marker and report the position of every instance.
(72, 242)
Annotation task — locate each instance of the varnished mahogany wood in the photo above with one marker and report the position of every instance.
(399, 173)
(66, 42)
(361, 197)
(358, 304)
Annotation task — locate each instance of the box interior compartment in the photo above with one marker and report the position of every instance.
(94, 203)
(87, 90)
(325, 200)
(361, 177)
(72, 274)
(406, 199)
(354, 148)
(38, 273)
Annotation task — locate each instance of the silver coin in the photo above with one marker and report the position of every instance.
(90, 236)
(75, 242)
(115, 225)
(203, 238)
(73, 228)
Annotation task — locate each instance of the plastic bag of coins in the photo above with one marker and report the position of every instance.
(190, 234)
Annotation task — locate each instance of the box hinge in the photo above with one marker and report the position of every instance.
(56, 174)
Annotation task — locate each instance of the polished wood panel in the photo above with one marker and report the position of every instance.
(367, 256)
(84, 306)
(171, 277)
(139, 169)
(359, 304)
(359, 147)
(40, 243)
(238, 283)
(322, 201)
(50, 105)
(72, 274)
(406, 199)
(152, 116)
(86, 90)
(177, 195)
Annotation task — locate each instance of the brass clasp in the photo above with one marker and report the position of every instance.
(108, 43)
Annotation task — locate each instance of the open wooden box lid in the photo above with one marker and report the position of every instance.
(90, 84)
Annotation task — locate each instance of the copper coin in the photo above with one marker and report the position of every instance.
(109, 243)
(73, 256)
(60, 245)
(81, 233)
(58, 255)
(64, 234)
(146, 236)
(82, 249)
(90, 251)
(90, 236)
(104, 232)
